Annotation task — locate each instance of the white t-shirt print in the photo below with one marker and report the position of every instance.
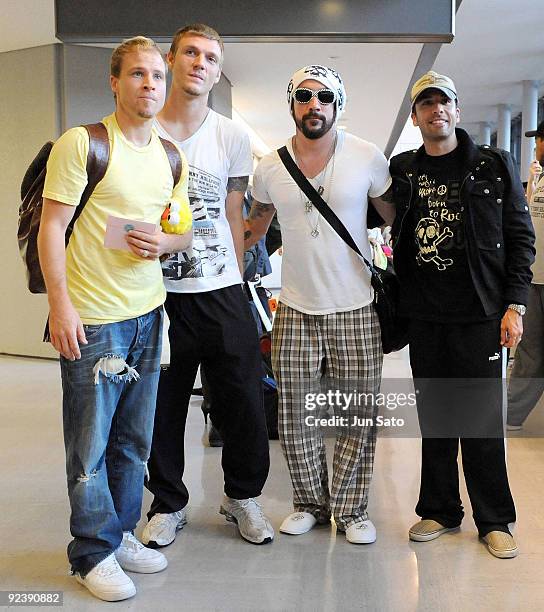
(217, 151)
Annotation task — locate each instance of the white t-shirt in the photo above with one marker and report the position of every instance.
(323, 275)
(217, 151)
(537, 215)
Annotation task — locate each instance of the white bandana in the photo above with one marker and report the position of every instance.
(327, 76)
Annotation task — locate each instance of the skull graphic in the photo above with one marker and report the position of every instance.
(429, 236)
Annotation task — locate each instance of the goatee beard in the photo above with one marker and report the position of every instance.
(313, 133)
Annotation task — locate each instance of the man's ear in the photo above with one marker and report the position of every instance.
(170, 60)
(457, 114)
(414, 119)
(113, 83)
(218, 77)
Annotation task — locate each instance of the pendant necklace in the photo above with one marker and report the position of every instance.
(326, 180)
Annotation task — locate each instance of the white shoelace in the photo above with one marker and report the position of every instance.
(129, 541)
(161, 519)
(108, 569)
(361, 526)
(253, 508)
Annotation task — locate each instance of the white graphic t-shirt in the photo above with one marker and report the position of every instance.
(217, 151)
(320, 274)
(537, 215)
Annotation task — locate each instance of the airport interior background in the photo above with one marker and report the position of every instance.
(495, 58)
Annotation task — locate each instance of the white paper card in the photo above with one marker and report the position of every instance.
(117, 228)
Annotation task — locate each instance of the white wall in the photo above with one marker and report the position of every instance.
(30, 104)
(51, 88)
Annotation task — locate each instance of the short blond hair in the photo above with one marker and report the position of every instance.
(141, 43)
(197, 29)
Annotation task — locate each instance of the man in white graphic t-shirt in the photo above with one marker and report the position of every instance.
(325, 326)
(210, 319)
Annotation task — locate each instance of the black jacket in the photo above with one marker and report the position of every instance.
(498, 228)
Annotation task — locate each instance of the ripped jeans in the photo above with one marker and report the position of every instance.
(109, 398)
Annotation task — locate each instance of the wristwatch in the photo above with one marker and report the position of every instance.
(519, 308)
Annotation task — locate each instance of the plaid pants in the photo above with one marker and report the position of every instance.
(346, 348)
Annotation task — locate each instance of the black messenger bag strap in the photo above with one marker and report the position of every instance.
(324, 209)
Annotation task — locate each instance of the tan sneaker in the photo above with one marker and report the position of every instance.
(427, 529)
(501, 544)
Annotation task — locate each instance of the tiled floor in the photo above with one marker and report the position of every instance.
(212, 568)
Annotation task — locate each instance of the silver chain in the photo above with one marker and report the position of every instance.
(308, 207)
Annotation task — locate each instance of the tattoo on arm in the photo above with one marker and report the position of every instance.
(258, 209)
(237, 183)
(247, 234)
(387, 196)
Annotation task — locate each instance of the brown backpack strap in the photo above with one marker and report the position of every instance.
(173, 157)
(97, 157)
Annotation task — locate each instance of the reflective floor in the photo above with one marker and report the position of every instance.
(212, 568)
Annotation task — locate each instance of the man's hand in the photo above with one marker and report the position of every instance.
(511, 328)
(147, 246)
(535, 170)
(66, 331)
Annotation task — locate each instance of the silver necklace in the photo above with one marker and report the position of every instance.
(308, 206)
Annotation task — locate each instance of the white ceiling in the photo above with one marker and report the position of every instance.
(498, 44)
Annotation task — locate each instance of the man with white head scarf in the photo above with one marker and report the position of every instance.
(325, 326)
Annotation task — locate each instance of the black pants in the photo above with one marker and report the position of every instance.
(215, 329)
(458, 371)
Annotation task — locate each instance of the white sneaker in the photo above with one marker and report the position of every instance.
(133, 556)
(362, 532)
(298, 523)
(248, 515)
(161, 529)
(108, 581)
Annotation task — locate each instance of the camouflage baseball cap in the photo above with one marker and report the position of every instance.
(433, 80)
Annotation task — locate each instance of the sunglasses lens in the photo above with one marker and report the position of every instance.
(303, 95)
(326, 96)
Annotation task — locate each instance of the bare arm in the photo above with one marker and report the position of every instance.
(385, 206)
(259, 220)
(236, 188)
(65, 326)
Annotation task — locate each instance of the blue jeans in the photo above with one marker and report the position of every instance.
(109, 398)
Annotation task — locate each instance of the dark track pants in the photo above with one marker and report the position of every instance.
(215, 329)
(457, 370)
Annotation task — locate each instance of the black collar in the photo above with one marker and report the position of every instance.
(469, 151)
